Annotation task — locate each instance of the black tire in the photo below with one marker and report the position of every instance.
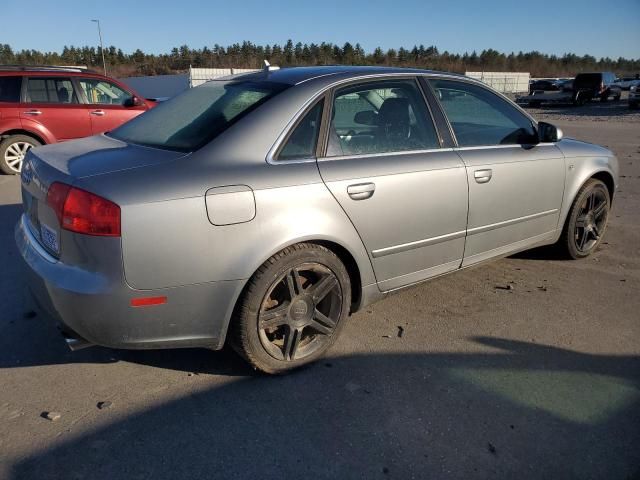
(633, 105)
(14, 140)
(579, 241)
(535, 104)
(579, 99)
(604, 97)
(283, 290)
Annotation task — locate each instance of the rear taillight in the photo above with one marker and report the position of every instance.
(84, 212)
(602, 86)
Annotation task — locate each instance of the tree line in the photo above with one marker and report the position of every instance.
(250, 55)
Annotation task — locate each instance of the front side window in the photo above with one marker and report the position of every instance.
(380, 117)
(100, 92)
(10, 89)
(303, 140)
(481, 118)
(51, 90)
(195, 117)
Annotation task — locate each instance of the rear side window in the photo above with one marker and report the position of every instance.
(51, 90)
(102, 92)
(10, 89)
(303, 140)
(380, 117)
(194, 118)
(479, 117)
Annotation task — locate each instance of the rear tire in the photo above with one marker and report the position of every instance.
(292, 309)
(12, 152)
(633, 105)
(587, 221)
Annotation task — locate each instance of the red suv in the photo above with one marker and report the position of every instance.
(41, 105)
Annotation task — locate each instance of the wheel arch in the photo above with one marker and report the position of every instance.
(19, 131)
(606, 178)
(603, 174)
(346, 256)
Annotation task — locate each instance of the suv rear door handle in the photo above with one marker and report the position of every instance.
(33, 112)
(361, 191)
(482, 176)
(99, 113)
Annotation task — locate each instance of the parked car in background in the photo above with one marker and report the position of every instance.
(264, 208)
(634, 97)
(625, 83)
(600, 85)
(544, 85)
(42, 105)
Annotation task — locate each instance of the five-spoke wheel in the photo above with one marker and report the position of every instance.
(587, 220)
(292, 309)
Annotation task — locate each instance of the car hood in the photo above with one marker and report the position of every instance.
(576, 148)
(100, 154)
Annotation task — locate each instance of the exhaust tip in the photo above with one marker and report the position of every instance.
(77, 343)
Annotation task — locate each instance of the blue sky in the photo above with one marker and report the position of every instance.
(599, 28)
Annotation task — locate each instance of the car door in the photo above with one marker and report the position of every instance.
(404, 193)
(108, 104)
(53, 104)
(515, 183)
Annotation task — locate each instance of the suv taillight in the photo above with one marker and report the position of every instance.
(83, 212)
(602, 86)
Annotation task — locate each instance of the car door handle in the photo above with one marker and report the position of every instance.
(33, 112)
(99, 113)
(361, 191)
(482, 176)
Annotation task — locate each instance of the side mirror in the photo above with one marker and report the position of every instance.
(133, 101)
(549, 133)
(367, 117)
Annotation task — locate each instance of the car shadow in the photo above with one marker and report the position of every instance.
(523, 411)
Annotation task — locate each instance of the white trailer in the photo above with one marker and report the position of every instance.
(504, 82)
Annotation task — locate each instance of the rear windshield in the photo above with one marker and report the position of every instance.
(194, 118)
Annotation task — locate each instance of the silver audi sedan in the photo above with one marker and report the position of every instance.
(265, 208)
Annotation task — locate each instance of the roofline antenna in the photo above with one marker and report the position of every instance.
(268, 67)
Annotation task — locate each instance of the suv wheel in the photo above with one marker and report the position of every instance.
(292, 310)
(12, 152)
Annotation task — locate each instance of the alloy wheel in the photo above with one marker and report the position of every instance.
(15, 153)
(591, 221)
(300, 312)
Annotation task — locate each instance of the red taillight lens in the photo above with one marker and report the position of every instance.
(83, 212)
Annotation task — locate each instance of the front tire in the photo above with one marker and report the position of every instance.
(12, 152)
(587, 220)
(292, 309)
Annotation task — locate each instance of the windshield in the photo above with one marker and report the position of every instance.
(194, 118)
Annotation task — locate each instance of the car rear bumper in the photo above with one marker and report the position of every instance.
(90, 306)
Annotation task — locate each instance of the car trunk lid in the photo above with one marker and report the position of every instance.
(68, 162)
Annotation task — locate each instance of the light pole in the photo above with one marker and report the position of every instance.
(104, 64)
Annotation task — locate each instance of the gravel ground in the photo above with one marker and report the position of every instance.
(595, 111)
(538, 381)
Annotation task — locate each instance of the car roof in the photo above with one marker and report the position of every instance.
(297, 75)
